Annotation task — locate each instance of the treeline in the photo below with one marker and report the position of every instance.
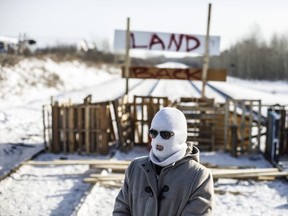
(255, 59)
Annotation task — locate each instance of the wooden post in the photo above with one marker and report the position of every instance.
(49, 131)
(127, 58)
(55, 147)
(80, 129)
(259, 125)
(242, 124)
(226, 125)
(87, 128)
(93, 134)
(44, 126)
(98, 128)
(206, 55)
(64, 128)
(250, 125)
(104, 129)
(71, 121)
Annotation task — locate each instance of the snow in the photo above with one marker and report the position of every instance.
(60, 190)
(270, 93)
(172, 65)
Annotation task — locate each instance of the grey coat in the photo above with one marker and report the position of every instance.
(183, 188)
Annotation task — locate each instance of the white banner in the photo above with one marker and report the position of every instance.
(167, 42)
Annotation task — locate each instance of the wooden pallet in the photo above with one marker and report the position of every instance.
(200, 115)
(82, 128)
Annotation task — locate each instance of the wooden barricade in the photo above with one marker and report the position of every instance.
(91, 127)
(83, 128)
(244, 124)
(200, 115)
(145, 107)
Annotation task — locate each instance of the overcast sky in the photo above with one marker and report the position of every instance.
(96, 20)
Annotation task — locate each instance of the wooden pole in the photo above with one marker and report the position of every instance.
(55, 147)
(127, 58)
(44, 126)
(206, 55)
(71, 121)
(87, 128)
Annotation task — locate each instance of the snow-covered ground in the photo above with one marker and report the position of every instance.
(59, 190)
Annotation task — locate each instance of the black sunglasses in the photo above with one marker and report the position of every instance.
(164, 134)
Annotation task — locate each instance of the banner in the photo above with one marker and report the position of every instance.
(167, 42)
(175, 73)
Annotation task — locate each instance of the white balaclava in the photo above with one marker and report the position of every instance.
(165, 152)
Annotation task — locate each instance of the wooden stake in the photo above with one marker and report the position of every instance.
(127, 58)
(206, 55)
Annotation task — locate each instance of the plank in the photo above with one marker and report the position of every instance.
(55, 146)
(118, 167)
(216, 171)
(71, 121)
(113, 177)
(87, 128)
(64, 128)
(77, 162)
(270, 175)
(79, 129)
(263, 173)
(175, 73)
(95, 180)
(103, 183)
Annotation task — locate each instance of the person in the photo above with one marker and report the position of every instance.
(169, 181)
